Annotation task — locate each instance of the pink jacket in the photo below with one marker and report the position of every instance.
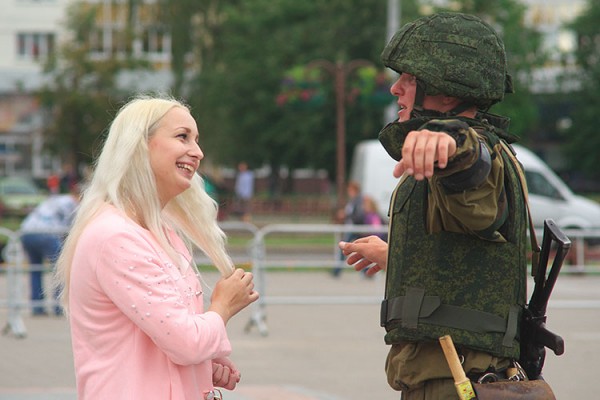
(138, 326)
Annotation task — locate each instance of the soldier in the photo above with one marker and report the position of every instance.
(456, 261)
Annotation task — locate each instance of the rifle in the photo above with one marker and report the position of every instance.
(535, 337)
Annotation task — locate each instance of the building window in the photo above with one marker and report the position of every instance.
(35, 45)
(155, 39)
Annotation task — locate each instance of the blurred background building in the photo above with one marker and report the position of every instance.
(31, 30)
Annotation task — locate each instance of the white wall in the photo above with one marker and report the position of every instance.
(27, 16)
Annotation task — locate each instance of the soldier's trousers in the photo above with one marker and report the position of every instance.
(435, 389)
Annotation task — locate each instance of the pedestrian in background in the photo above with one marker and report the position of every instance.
(42, 233)
(68, 178)
(353, 214)
(244, 190)
(372, 216)
(53, 183)
(139, 327)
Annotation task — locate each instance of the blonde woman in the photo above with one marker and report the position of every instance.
(130, 287)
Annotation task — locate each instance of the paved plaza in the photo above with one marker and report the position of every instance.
(311, 350)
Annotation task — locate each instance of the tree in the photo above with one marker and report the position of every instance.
(82, 91)
(234, 96)
(582, 138)
(192, 26)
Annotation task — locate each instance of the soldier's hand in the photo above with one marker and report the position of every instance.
(421, 150)
(366, 252)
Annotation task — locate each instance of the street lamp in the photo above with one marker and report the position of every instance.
(340, 72)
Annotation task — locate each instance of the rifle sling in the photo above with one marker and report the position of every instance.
(535, 247)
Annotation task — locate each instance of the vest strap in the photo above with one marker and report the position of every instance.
(430, 310)
(535, 247)
(511, 326)
(411, 307)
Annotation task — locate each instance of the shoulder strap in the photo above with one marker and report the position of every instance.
(535, 247)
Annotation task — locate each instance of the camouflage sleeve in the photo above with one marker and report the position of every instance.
(467, 168)
(467, 197)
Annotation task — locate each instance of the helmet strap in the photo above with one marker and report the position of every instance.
(419, 97)
(462, 107)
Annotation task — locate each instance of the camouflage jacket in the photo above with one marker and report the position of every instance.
(457, 256)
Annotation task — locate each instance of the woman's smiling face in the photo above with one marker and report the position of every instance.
(174, 153)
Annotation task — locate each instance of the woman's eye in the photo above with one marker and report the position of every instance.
(182, 136)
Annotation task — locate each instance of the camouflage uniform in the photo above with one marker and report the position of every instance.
(457, 245)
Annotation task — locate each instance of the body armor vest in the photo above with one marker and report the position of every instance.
(455, 284)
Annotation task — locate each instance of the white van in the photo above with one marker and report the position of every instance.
(372, 168)
(549, 196)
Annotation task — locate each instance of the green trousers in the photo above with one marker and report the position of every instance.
(421, 372)
(435, 389)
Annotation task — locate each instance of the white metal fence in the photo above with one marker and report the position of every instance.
(262, 258)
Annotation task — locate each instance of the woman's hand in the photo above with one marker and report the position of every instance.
(225, 374)
(233, 294)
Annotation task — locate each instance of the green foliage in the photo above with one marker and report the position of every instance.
(240, 52)
(82, 91)
(301, 88)
(371, 87)
(234, 96)
(182, 18)
(583, 140)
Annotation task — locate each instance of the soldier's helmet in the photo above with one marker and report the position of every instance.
(455, 54)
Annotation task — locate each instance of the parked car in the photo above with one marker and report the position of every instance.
(549, 196)
(19, 195)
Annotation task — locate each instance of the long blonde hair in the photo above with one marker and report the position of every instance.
(124, 178)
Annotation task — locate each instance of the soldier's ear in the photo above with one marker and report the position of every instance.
(451, 101)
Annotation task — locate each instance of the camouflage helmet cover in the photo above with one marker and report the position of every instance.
(455, 54)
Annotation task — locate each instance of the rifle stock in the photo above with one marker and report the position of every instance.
(535, 337)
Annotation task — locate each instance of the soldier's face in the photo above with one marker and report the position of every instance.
(405, 88)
